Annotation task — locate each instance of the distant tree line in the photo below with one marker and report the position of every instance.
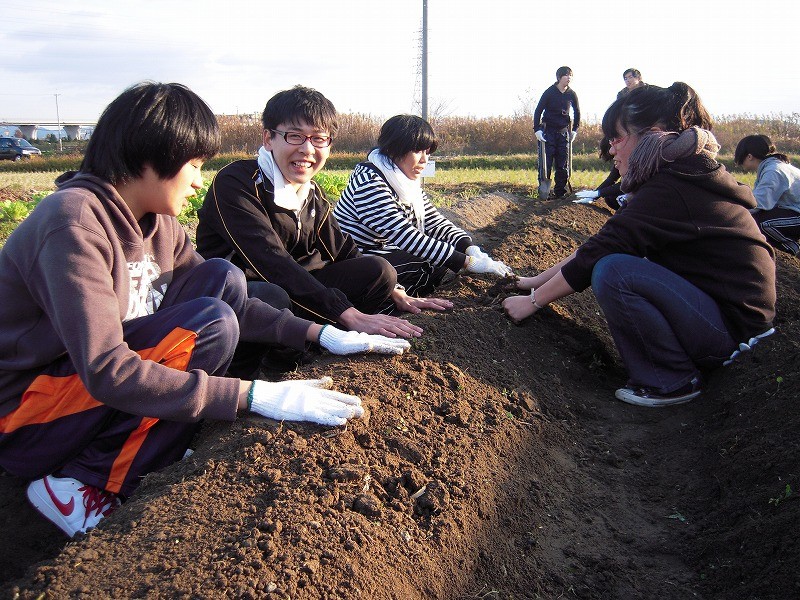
(504, 135)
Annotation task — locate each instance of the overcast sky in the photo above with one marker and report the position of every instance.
(485, 57)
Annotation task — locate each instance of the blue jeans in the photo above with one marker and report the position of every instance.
(665, 328)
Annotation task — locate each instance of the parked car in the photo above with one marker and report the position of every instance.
(17, 148)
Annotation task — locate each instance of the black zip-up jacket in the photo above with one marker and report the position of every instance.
(555, 106)
(240, 221)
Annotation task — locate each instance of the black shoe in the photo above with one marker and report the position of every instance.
(557, 195)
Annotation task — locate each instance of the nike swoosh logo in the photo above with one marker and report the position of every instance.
(64, 509)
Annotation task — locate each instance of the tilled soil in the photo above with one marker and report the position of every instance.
(493, 462)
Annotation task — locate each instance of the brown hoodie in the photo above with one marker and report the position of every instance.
(66, 286)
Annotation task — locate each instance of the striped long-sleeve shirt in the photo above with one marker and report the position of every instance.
(370, 211)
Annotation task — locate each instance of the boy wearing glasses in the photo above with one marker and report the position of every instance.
(269, 218)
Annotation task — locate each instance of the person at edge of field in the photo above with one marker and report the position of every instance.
(115, 333)
(387, 213)
(552, 125)
(685, 279)
(777, 191)
(633, 80)
(609, 190)
(274, 222)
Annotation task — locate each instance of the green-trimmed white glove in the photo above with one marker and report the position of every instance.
(485, 264)
(341, 342)
(303, 400)
(588, 194)
(540, 135)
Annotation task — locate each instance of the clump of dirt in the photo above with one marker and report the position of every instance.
(493, 462)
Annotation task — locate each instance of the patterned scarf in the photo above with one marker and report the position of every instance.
(658, 148)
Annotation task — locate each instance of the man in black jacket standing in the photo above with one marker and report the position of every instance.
(555, 130)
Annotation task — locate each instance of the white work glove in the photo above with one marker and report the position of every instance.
(350, 342)
(572, 136)
(747, 347)
(586, 196)
(540, 135)
(485, 264)
(303, 400)
(476, 252)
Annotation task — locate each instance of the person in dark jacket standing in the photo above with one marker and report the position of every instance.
(685, 279)
(553, 126)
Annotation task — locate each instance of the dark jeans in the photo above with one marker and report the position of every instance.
(665, 328)
(556, 149)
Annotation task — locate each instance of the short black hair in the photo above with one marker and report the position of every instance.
(406, 133)
(563, 71)
(634, 72)
(300, 104)
(163, 125)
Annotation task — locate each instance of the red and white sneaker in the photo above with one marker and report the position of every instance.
(70, 504)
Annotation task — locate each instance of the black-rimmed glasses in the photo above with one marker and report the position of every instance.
(298, 139)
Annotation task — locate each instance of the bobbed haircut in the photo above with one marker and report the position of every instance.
(561, 71)
(633, 72)
(406, 133)
(300, 105)
(675, 108)
(163, 125)
(760, 146)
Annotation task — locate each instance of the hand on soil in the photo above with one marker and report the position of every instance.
(518, 308)
(407, 303)
(389, 326)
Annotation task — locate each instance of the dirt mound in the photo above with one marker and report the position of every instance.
(493, 463)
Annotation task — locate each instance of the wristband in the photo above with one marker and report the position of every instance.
(533, 299)
(250, 396)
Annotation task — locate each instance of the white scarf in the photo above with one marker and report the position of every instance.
(409, 191)
(285, 195)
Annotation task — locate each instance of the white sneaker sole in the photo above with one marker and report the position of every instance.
(629, 397)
